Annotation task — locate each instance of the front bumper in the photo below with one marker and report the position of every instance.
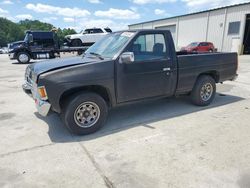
(11, 56)
(43, 107)
(235, 77)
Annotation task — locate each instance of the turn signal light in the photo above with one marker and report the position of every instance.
(42, 92)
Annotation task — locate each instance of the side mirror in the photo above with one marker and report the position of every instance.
(30, 38)
(127, 58)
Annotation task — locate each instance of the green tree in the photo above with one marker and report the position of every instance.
(34, 25)
(61, 33)
(9, 32)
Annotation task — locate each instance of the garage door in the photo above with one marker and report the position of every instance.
(171, 28)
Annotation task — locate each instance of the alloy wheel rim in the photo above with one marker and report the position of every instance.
(23, 58)
(206, 91)
(87, 114)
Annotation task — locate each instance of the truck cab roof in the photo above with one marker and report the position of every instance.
(97, 30)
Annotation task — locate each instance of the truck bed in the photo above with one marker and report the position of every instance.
(72, 49)
(223, 66)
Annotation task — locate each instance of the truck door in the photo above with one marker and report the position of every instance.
(150, 74)
(35, 45)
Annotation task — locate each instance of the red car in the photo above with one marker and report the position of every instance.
(199, 47)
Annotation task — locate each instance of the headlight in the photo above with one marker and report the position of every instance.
(42, 92)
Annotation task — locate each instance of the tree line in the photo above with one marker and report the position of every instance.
(11, 32)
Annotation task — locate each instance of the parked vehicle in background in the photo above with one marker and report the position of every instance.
(39, 45)
(86, 37)
(121, 68)
(199, 47)
(4, 50)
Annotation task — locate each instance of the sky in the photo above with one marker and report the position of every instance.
(116, 14)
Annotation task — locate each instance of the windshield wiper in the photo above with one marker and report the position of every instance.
(97, 55)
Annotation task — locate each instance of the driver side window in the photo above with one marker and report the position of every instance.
(149, 47)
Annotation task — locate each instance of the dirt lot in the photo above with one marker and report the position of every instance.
(165, 143)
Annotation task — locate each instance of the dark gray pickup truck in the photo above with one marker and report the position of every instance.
(121, 68)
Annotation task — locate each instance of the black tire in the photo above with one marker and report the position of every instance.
(79, 52)
(20, 58)
(76, 43)
(198, 95)
(211, 51)
(72, 106)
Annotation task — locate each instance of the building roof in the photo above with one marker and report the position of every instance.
(219, 8)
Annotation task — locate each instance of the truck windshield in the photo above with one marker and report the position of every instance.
(26, 38)
(110, 45)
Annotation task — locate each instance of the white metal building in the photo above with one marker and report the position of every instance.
(227, 27)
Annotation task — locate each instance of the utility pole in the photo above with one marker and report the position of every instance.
(74, 21)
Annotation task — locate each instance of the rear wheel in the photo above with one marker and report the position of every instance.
(211, 51)
(204, 91)
(85, 113)
(23, 57)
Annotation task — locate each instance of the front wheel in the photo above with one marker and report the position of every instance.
(76, 43)
(23, 57)
(204, 91)
(85, 113)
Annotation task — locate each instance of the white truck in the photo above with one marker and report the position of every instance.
(86, 37)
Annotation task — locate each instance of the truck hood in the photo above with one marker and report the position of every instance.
(18, 42)
(50, 65)
(15, 44)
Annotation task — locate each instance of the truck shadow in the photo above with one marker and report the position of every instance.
(17, 63)
(141, 114)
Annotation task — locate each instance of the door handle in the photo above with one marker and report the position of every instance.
(166, 69)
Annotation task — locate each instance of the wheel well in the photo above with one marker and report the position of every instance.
(103, 92)
(76, 39)
(214, 74)
(23, 50)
